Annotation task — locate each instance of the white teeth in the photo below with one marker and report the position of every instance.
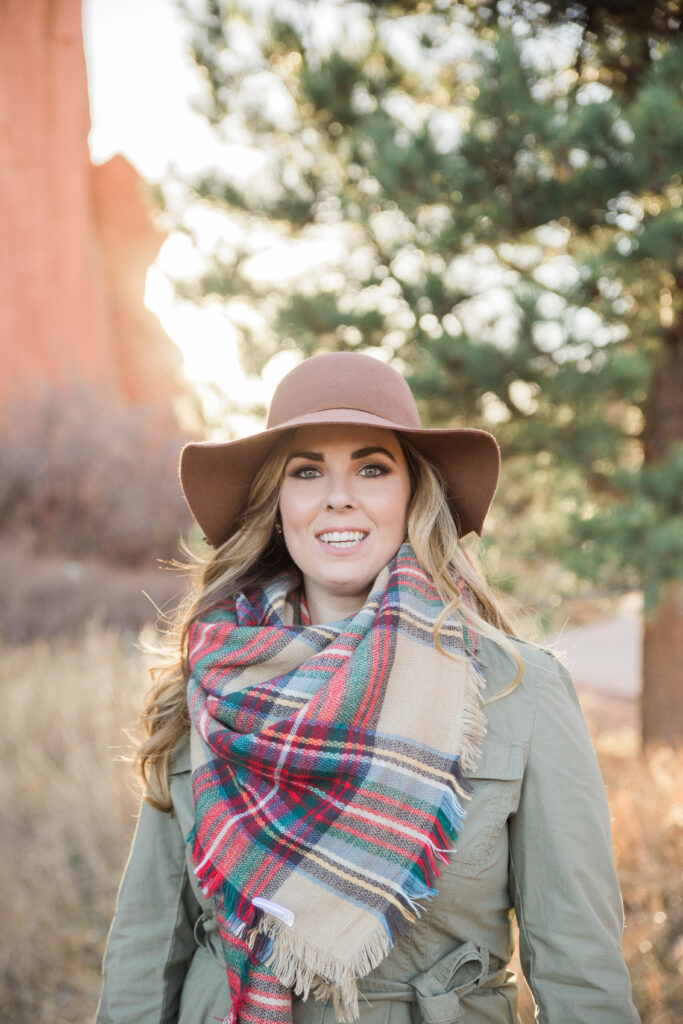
(342, 538)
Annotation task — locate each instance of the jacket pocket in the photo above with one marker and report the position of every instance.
(496, 785)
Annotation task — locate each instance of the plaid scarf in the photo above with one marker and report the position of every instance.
(327, 780)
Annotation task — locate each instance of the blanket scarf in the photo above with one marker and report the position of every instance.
(327, 780)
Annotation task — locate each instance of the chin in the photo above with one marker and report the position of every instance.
(349, 589)
(346, 587)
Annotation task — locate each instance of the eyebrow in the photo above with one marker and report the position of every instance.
(359, 453)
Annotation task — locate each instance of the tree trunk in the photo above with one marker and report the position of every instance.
(662, 698)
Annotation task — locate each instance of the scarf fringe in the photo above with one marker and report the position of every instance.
(307, 970)
(473, 722)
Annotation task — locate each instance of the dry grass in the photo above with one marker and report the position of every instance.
(68, 813)
(646, 800)
(66, 818)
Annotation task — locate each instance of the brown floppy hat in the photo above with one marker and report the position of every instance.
(344, 388)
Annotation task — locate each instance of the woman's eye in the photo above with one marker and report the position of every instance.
(373, 470)
(306, 472)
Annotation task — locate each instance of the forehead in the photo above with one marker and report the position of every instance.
(332, 436)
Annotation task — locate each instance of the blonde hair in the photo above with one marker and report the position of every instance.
(255, 552)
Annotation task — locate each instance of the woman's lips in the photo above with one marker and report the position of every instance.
(342, 540)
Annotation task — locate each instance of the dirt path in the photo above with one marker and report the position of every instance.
(604, 656)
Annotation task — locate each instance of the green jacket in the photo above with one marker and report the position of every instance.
(536, 839)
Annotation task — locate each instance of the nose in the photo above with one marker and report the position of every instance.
(338, 494)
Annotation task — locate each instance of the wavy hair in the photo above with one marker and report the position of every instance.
(255, 552)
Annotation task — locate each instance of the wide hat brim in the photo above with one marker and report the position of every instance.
(216, 477)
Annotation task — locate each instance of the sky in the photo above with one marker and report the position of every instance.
(141, 85)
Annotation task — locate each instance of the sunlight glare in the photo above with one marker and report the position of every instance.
(284, 260)
(205, 335)
(208, 341)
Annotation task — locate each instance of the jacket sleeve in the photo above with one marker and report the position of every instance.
(562, 877)
(151, 941)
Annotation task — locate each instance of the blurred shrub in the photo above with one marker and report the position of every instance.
(87, 479)
(52, 594)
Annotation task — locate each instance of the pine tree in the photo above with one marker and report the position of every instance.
(500, 189)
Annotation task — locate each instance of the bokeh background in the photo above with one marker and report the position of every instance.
(196, 195)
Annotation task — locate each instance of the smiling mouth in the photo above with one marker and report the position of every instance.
(342, 538)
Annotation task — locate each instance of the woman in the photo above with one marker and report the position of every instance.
(379, 771)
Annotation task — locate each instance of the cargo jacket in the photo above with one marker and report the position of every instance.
(536, 841)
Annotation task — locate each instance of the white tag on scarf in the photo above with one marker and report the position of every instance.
(282, 913)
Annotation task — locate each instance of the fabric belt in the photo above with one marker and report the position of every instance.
(206, 935)
(438, 991)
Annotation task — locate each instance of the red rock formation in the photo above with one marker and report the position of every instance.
(147, 362)
(75, 240)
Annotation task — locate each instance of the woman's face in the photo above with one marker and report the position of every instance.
(343, 503)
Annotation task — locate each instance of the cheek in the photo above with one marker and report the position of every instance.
(392, 507)
(295, 508)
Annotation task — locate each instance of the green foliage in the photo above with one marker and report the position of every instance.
(310, 321)
(648, 522)
(504, 209)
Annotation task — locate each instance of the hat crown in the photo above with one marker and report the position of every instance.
(344, 380)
